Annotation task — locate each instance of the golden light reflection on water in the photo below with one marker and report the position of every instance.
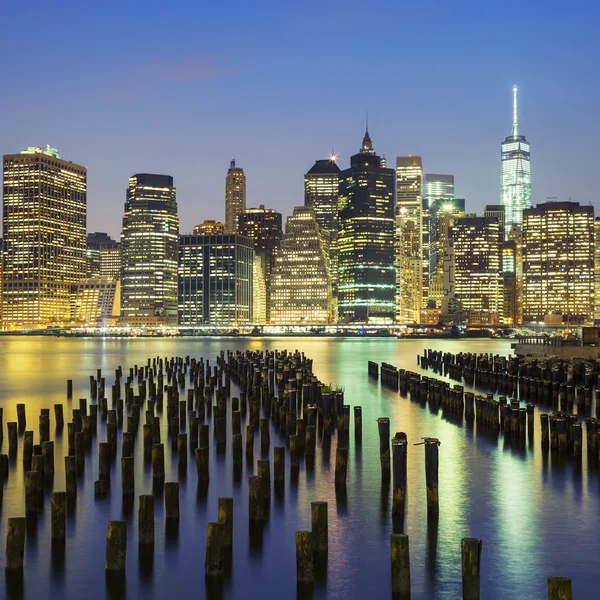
(516, 501)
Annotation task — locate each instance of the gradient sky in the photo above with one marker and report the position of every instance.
(182, 87)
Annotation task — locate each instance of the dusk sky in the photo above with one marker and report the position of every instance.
(181, 88)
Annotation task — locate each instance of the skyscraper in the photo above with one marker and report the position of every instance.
(409, 239)
(263, 226)
(438, 187)
(215, 280)
(44, 235)
(235, 196)
(558, 262)
(516, 174)
(366, 280)
(301, 283)
(103, 256)
(149, 251)
(477, 244)
(597, 269)
(209, 227)
(321, 188)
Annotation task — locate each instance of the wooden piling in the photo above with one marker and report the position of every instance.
(146, 520)
(399, 456)
(201, 455)
(249, 441)
(431, 477)
(182, 449)
(471, 560)
(104, 460)
(384, 446)
(226, 519)
(71, 476)
(265, 439)
(263, 470)
(58, 504)
(304, 557)
(559, 588)
(48, 454)
(341, 465)
(127, 476)
(320, 527)
(15, 544)
(27, 450)
(172, 501)
(116, 546)
(256, 499)
(158, 462)
(400, 556)
(279, 464)
(237, 448)
(213, 562)
(32, 488)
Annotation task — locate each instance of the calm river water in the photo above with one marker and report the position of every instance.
(536, 518)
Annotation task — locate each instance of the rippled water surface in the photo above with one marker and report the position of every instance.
(536, 517)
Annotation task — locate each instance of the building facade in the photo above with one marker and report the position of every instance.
(301, 283)
(438, 188)
(235, 196)
(411, 204)
(321, 188)
(103, 256)
(215, 280)
(209, 227)
(149, 251)
(366, 236)
(597, 269)
(477, 244)
(44, 236)
(515, 194)
(558, 263)
(264, 227)
(96, 301)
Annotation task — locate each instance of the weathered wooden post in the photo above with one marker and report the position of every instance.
(127, 476)
(545, 431)
(58, 504)
(104, 460)
(213, 563)
(172, 502)
(249, 442)
(15, 543)
(21, 420)
(399, 456)
(32, 488)
(69, 388)
(158, 462)
(341, 466)
(237, 448)
(146, 520)
(71, 476)
(79, 439)
(27, 450)
(12, 437)
(182, 449)
(471, 560)
(358, 423)
(256, 498)
(48, 454)
(116, 546)
(400, 555)
(204, 436)
(559, 588)
(320, 532)
(126, 444)
(310, 441)
(201, 455)
(384, 446)
(279, 464)
(431, 477)
(59, 416)
(305, 567)
(263, 470)
(226, 519)
(265, 439)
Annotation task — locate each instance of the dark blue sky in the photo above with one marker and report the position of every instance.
(182, 87)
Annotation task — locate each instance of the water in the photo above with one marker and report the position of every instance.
(536, 518)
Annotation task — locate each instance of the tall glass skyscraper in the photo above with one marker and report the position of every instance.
(149, 251)
(235, 196)
(366, 288)
(438, 187)
(516, 174)
(44, 236)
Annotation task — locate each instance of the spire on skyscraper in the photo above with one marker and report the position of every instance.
(367, 145)
(515, 122)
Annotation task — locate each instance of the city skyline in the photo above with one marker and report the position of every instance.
(209, 93)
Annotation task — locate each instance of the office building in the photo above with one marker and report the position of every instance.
(235, 196)
(96, 301)
(301, 291)
(259, 293)
(558, 263)
(411, 203)
(597, 269)
(497, 211)
(438, 188)
(477, 243)
(103, 256)
(149, 251)
(321, 187)
(210, 227)
(509, 283)
(215, 280)
(366, 279)
(408, 270)
(44, 236)
(516, 174)
(263, 226)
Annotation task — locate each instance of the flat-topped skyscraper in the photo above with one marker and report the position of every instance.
(44, 233)
(149, 244)
(515, 195)
(235, 196)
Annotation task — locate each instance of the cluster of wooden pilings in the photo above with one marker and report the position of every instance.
(562, 384)
(275, 387)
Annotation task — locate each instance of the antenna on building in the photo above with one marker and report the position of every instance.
(515, 120)
(232, 164)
